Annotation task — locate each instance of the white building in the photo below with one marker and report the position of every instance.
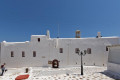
(114, 58)
(41, 50)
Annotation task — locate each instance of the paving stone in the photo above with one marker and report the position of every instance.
(70, 73)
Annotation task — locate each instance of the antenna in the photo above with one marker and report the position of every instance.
(58, 31)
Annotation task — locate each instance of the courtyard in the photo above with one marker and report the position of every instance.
(66, 73)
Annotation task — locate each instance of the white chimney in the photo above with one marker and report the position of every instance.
(99, 34)
(48, 33)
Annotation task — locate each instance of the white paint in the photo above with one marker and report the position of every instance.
(115, 68)
(48, 49)
(114, 59)
(48, 33)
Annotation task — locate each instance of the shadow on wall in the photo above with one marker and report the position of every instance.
(111, 74)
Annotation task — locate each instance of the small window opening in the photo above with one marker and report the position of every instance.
(61, 50)
(34, 53)
(89, 50)
(77, 50)
(12, 54)
(23, 54)
(106, 48)
(38, 39)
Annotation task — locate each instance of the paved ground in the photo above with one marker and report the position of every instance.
(69, 73)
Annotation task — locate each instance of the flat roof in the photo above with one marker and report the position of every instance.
(65, 39)
(88, 38)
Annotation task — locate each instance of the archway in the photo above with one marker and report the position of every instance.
(55, 63)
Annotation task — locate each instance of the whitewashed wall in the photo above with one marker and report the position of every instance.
(114, 59)
(114, 54)
(115, 68)
(48, 49)
(98, 48)
(0, 53)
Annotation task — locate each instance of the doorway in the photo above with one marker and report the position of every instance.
(55, 63)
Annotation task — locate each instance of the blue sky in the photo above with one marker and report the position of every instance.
(19, 19)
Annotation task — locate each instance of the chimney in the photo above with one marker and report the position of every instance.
(48, 33)
(98, 35)
(77, 34)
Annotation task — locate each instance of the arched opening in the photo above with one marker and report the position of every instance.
(55, 63)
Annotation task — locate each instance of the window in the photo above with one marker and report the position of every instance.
(23, 54)
(77, 50)
(38, 39)
(34, 53)
(12, 54)
(106, 48)
(61, 50)
(89, 50)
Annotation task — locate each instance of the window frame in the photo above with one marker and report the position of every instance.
(89, 50)
(34, 53)
(23, 53)
(60, 50)
(77, 50)
(12, 53)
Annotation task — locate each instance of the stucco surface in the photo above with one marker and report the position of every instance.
(48, 49)
(114, 59)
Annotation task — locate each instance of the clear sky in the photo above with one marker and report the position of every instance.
(19, 19)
